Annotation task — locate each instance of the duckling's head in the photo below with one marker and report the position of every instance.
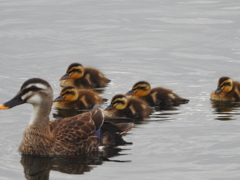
(118, 102)
(74, 71)
(35, 91)
(140, 89)
(67, 94)
(225, 84)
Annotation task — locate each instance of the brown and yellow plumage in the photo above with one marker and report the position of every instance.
(227, 90)
(83, 77)
(72, 98)
(131, 107)
(158, 96)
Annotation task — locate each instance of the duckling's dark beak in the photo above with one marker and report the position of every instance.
(17, 100)
(65, 76)
(59, 98)
(218, 90)
(109, 107)
(131, 92)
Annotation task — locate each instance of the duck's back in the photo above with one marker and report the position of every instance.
(74, 135)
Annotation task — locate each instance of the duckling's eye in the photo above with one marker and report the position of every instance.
(118, 102)
(227, 84)
(75, 70)
(140, 87)
(68, 92)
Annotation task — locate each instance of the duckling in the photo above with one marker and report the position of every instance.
(82, 77)
(132, 107)
(111, 134)
(158, 96)
(227, 90)
(72, 98)
(66, 136)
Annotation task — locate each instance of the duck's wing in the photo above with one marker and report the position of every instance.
(75, 134)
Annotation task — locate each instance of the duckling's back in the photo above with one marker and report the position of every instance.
(160, 96)
(92, 79)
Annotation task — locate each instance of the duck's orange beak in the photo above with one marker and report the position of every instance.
(3, 107)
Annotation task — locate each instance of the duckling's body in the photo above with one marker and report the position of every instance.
(227, 90)
(158, 96)
(112, 133)
(131, 107)
(66, 136)
(72, 98)
(83, 77)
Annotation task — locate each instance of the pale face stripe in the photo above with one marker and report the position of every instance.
(38, 85)
(30, 93)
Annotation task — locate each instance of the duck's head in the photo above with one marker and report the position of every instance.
(67, 94)
(141, 88)
(225, 84)
(34, 91)
(74, 71)
(118, 102)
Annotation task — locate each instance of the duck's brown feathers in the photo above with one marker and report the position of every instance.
(67, 136)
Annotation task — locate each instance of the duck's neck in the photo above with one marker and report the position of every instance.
(40, 115)
(37, 138)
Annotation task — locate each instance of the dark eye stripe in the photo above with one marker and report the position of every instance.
(32, 88)
(118, 102)
(74, 70)
(139, 87)
(68, 92)
(226, 84)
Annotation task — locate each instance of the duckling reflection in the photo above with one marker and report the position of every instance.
(39, 167)
(225, 109)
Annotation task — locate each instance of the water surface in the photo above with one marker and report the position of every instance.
(181, 45)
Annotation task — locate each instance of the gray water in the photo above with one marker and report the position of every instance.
(181, 45)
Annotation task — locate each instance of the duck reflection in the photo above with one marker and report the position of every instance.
(225, 109)
(39, 167)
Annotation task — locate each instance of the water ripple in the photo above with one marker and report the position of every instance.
(192, 20)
